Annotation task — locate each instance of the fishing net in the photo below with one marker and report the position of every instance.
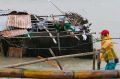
(77, 20)
(74, 18)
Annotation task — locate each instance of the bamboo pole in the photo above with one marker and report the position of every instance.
(49, 62)
(57, 61)
(59, 74)
(46, 59)
(50, 34)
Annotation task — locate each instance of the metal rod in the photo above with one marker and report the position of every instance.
(46, 59)
(59, 74)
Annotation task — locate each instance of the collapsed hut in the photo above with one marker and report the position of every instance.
(24, 34)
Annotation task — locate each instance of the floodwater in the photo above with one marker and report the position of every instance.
(104, 14)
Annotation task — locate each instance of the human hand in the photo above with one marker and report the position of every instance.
(101, 50)
(97, 49)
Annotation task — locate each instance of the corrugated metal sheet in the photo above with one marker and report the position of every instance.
(19, 21)
(13, 33)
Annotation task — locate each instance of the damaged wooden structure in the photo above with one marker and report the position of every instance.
(34, 35)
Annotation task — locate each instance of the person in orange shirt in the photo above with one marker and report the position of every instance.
(108, 53)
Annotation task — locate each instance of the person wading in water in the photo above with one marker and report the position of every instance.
(107, 52)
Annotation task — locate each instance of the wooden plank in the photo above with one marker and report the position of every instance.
(16, 52)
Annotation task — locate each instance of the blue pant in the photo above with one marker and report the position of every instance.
(110, 66)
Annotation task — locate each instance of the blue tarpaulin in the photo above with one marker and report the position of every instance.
(3, 21)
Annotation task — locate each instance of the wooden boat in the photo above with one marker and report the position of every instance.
(38, 41)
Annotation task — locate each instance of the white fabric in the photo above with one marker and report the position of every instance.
(84, 36)
(61, 18)
(77, 28)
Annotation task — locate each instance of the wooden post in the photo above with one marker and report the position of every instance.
(16, 52)
(58, 38)
(98, 61)
(94, 59)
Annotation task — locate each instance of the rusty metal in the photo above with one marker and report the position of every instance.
(59, 74)
(12, 33)
(19, 21)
